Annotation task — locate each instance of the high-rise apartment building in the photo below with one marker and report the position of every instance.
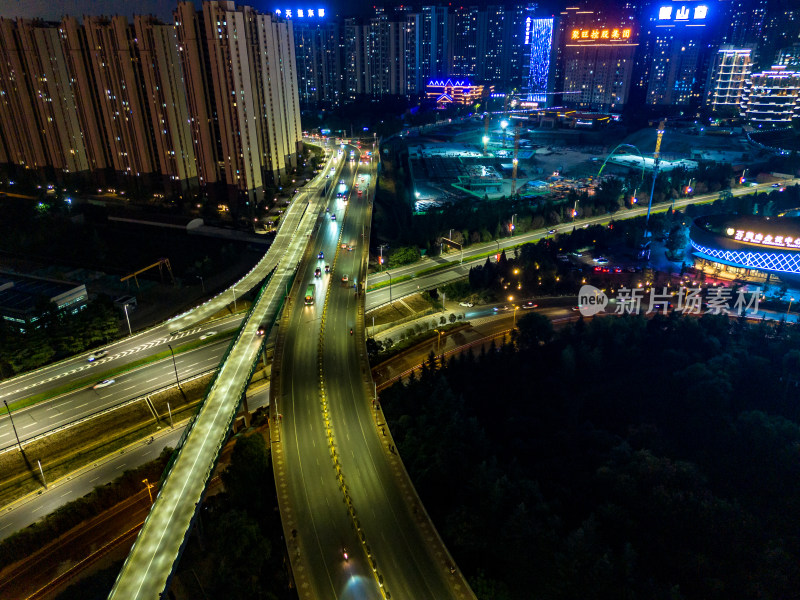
(434, 42)
(683, 41)
(594, 59)
(119, 87)
(165, 97)
(320, 79)
(20, 127)
(355, 36)
(729, 77)
(772, 98)
(211, 99)
(464, 59)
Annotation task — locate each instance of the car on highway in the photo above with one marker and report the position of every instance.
(529, 304)
(498, 309)
(345, 278)
(776, 185)
(262, 330)
(96, 355)
(467, 304)
(317, 272)
(551, 231)
(333, 217)
(350, 248)
(617, 269)
(327, 268)
(207, 335)
(102, 384)
(601, 260)
(321, 255)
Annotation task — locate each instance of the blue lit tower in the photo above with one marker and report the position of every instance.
(539, 41)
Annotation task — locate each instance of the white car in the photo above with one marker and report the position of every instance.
(102, 384)
(96, 355)
(207, 335)
(467, 304)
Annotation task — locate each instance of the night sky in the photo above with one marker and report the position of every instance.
(54, 9)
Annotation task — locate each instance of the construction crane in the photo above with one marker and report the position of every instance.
(485, 133)
(661, 125)
(162, 262)
(515, 161)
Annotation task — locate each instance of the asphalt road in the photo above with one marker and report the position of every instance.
(382, 296)
(403, 555)
(314, 492)
(54, 413)
(33, 507)
(46, 416)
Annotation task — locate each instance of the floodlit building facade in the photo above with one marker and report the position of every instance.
(729, 77)
(772, 98)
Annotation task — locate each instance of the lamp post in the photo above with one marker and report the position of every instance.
(175, 365)
(515, 315)
(439, 335)
(504, 127)
(485, 143)
(233, 289)
(14, 427)
(127, 318)
(169, 410)
(202, 283)
(390, 285)
(790, 305)
(149, 486)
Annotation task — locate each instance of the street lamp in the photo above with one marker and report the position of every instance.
(149, 487)
(439, 335)
(390, 285)
(515, 314)
(790, 305)
(485, 143)
(233, 289)
(14, 427)
(125, 308)
(202, 283)
(175, 365)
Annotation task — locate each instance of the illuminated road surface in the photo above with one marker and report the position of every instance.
(314, 498)
(148, 567)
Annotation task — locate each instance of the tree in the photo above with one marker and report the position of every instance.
(532, 330)
(248, 476)
(676, 242)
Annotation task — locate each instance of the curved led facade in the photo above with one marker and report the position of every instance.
(745, 242)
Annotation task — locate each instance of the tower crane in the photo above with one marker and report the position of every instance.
(515, 161)
(485, 133)
(661, 125)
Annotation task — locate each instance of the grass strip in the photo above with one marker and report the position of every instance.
(383, 284)
(81, 383)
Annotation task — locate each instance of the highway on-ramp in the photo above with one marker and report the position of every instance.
(149, 566)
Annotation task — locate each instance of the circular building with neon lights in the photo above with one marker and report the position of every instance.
(747, 246)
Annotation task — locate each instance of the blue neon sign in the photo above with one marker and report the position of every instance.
(300, 13)
(682, 13)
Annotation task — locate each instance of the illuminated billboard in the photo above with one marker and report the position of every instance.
(689, 14)
(539, 36)
(600, 35)
(300, 13)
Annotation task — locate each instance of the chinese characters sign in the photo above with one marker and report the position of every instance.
(764, 239)
(601, 35)
(682, 14)
(300, 13)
